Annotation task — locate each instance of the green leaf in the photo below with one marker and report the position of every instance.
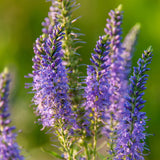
(52, 153)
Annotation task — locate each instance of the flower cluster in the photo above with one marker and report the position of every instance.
(50, 80)
(116, 68)
(9, 149)
(131, 140)
(105, 104)
(97, 82)
(110, 103)
(96, 91)
(61, 14)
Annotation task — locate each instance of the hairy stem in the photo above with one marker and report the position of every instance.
(95, 138)
(65, 141)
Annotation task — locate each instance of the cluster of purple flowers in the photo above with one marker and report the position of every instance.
(50, 80)
(110, 104)
(60, 14)
(9, 149)
(131, 139)
(96, 90)
(117, 83)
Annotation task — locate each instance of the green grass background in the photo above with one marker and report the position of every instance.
(20, 24)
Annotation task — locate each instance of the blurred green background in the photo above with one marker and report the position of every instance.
(20, 25)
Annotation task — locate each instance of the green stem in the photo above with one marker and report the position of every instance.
(112, 136)
(95, 139)
(87, 151)
(69, 50)
(65, 141)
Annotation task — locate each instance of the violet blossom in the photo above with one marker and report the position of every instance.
(105, 107)
(116, 69)
(131, 134)
(9, 149)
(50, 80)
(96, 93)
(96, 90)
(61, 14)
(116, 79)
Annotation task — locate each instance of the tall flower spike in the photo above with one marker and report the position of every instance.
(50, 80)
(115, 60)
(9, 149)
(128, 46)
(96, 91)
(117, 76)
(61, 13)
(131, 139)
(51, 88)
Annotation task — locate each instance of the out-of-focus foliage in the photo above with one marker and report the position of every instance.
(20, 25)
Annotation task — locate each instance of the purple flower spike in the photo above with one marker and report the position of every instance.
(131, 133)
(61, 14)
(116, 80)
(50, 80)
(96, 91)
(9, 149)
